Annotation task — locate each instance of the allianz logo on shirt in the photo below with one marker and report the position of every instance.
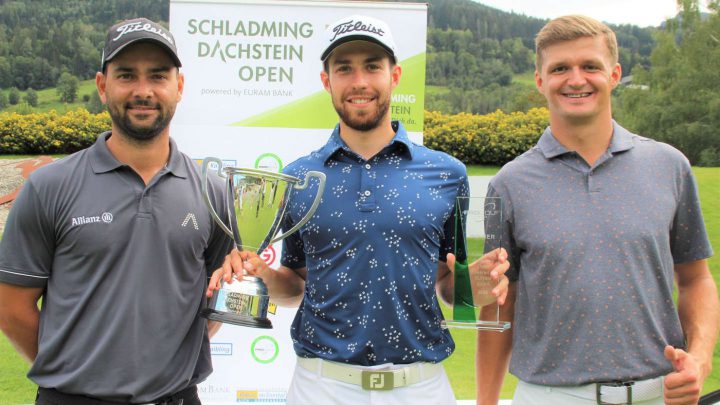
(105, 217)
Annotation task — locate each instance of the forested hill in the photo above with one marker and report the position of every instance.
(485, 22)
(40, 39)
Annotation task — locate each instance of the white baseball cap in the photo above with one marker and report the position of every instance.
(358, 28)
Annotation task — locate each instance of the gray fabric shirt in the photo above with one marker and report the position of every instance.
(124, 266)
(592, 250)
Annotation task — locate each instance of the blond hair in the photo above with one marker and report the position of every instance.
(571, 27)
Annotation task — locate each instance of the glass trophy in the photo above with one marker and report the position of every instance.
(477, 223)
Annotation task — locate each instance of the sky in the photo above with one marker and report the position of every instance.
(639, 12)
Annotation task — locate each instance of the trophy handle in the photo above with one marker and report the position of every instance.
(205, 169)
(321, 187)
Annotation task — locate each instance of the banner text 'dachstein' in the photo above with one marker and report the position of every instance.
(256, 44)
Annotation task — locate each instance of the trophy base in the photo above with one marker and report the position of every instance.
(498, 326)
(240, 320)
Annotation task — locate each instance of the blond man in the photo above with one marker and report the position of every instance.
(598, 224)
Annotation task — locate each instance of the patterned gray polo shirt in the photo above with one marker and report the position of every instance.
(592, 250)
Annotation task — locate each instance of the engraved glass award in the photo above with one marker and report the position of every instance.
(477, 222)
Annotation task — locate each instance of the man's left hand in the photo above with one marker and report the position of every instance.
(496, 264)
(684, 384)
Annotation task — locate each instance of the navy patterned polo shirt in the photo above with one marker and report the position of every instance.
(372, 251)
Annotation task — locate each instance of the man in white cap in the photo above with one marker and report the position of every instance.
(365, 268)
(117, 241)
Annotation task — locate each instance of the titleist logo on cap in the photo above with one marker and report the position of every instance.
(137, 26)
(353, 26)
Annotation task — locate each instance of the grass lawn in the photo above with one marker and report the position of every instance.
(527, 78)
(48, 99)
(482, 171)
(709, 184)
(460, 367)
(436, 90)
(15, 388)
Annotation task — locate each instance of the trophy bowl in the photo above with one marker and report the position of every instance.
(256, 201)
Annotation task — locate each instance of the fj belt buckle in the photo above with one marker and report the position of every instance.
(616, 384)
(377, 380)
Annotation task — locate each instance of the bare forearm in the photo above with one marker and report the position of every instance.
(699, 313)
(493, 352)
(286, 287)
(21, 328)
(20, 318)
(213, 328)
(445, 288)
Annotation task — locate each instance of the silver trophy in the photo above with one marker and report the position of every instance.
(256, 202)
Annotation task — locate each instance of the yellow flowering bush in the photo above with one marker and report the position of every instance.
(491, 139)
(50, 133)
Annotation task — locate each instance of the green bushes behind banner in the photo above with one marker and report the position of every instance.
(50, 133)
(490, 139)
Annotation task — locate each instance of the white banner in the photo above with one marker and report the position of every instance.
(253, 98)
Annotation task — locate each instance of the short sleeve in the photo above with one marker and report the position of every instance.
(293, 250)
(28, 244)
(454, 240)
(688, 236)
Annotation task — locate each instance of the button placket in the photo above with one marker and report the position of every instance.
(592, 182)
(366, 197)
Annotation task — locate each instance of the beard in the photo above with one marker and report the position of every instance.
(137, 132)
(363, 122)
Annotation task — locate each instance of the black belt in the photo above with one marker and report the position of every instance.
(51, 394)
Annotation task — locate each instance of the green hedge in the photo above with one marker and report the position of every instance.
(50, 133)
(491, 139)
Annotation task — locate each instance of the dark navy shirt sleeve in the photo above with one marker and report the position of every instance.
(293, 255)
(454, 236)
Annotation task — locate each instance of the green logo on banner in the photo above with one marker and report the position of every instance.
(270, 162)
(264, 349)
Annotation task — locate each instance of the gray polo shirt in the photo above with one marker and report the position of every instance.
(124, 266)
(592, 250)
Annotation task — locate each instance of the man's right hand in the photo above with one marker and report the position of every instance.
(236, 265)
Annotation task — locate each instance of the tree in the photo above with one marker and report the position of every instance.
(94, 105)
(41, 38)
(31, 97)
(680, 101)
(6, 76)
(67, 87)
(14, 96)
(3, 100)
